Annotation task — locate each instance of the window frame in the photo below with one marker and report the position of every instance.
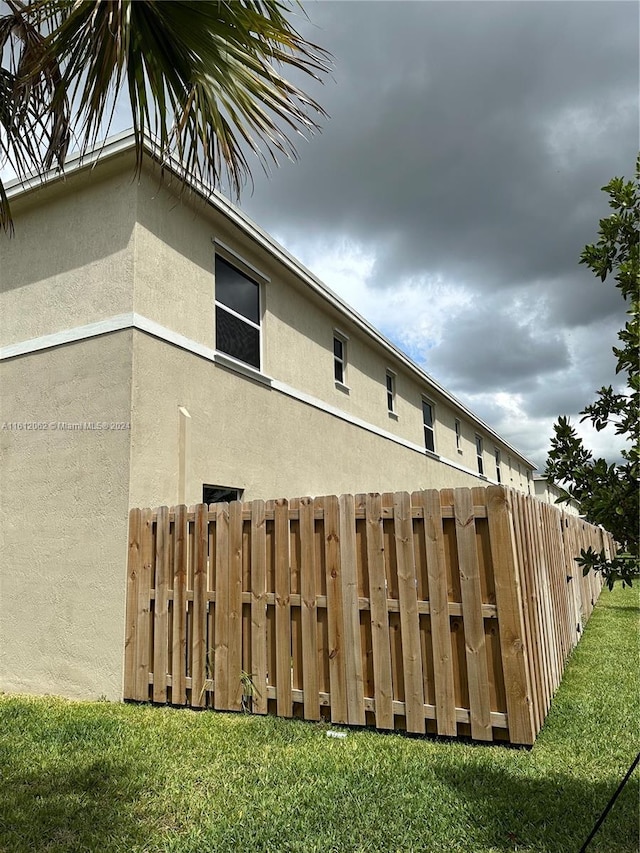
(479, 454)
(390, 382)
(457, 426)
(429, 428)
(239, 492)
(498, 459)
(342, 361)
(241, 268)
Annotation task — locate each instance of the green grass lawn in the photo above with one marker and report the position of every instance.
(108, 777)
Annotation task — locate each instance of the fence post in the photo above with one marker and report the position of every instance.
(510, 617)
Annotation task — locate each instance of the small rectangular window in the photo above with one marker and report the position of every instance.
(458, 435)
(428, 422)
(479, 454)
(391, 392)
(340, 359)
(498, 471)
(237, 302)
(219, 494)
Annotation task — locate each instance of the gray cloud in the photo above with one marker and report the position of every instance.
(470, 141)
(488, 347)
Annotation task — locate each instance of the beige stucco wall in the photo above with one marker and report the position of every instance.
(70, 261)
(549, 493)
(245, 435)
(64, 497)
(174, 286)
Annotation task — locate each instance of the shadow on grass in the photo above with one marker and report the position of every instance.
(627, 608)
(89, 805)
(512, 811)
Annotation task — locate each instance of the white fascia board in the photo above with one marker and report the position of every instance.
(125, 141)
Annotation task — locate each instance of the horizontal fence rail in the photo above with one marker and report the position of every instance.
(451, 612)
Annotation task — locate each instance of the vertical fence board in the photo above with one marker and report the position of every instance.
(143, 633)
(409, 622)
(351, 612)
(221, 627)
(511, 622)
(335, 611)
(160, 611)
(311, 694)
(381, 649)
(234, 655)
(284, 698)
(134, 566)
(199, 638)
(179, 652)
(259, 607)
(475, 645)
(439, 608)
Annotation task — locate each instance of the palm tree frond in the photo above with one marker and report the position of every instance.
(203, 79)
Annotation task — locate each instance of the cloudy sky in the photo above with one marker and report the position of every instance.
(451, 192)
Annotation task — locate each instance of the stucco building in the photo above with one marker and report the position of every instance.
(157, 347)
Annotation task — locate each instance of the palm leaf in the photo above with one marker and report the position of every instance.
(203, 79)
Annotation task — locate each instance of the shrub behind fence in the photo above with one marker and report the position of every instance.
(451, 612)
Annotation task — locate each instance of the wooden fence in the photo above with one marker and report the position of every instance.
(450, 612)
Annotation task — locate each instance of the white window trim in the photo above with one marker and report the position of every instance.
(457, 427)
(234, 258)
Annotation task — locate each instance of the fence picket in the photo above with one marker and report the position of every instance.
(475, 645)
(199, 639)
(258, 608)
(160, 611)
(144, 634)
(284, 697)
(511, 621)
(381, 650)
(439, 609)
(179, 650)
(335, 611)
(234, 655)
(310, 687)
(221, 623)
(351, 612)
(409, 621)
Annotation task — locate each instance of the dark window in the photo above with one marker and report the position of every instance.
(498, 471)
(391, 392)
(237, 314)
(479, 454)
(237, 338)
(219, 494)
(236, 291)
(339, 359)
(458, 434)
(427, 420)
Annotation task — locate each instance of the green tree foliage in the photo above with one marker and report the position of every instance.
(609, 493)
(202, 77)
